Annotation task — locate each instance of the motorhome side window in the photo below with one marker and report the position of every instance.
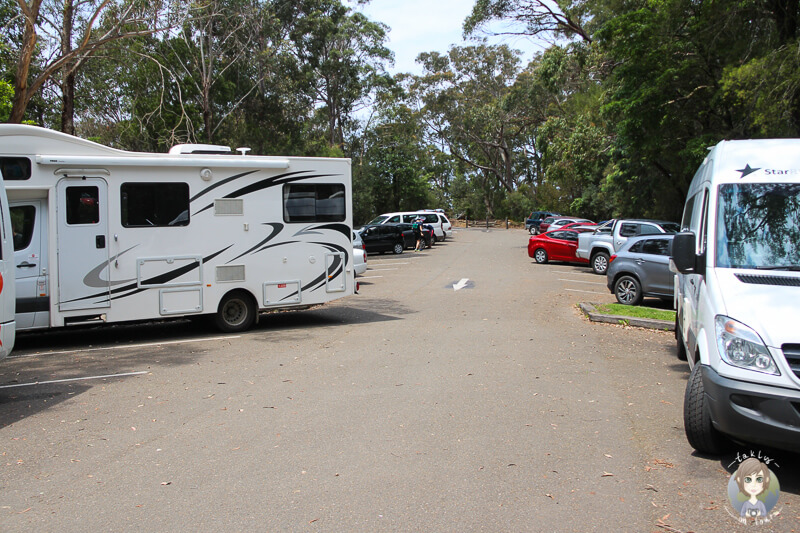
(22, 222)
(322, 202)
(15, 168)
(148, 205)
(83, 205)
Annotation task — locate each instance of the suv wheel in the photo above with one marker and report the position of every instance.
(700, 431)
(628, 290)
(600, 263)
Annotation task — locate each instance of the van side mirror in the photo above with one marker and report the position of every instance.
(684, 256)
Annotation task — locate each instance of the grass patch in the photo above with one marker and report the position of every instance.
(636, 311)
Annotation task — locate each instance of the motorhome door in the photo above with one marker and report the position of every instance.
(83, 264)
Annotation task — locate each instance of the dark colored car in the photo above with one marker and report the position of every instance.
(383, 238)
(559, 245)
(641, 268)
(535, 219)
(408, 234)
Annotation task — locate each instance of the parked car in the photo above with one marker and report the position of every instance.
(581, 227)
(409, 240)
(438, 221)
(552, 223)
(641, 268)
(359, 254)
(383, 238)
(535, 219)
(597, 247)
(559, 245)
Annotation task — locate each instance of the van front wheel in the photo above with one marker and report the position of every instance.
(236, 312)
(700, 431)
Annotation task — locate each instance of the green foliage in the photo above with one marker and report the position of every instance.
(6, 94)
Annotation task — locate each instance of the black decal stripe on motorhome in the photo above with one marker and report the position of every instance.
(266, 184)
(93, 279)
(334, 248)
(276, 228)
(344, 229)
(133, 288)
(222, 182)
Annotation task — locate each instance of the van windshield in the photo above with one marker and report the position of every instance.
(377, 220)
(758, 226)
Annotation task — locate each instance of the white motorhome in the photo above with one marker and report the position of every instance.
(737, 292)
(7, 289)
(105, 235)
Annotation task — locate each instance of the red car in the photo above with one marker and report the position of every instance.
(558, 245)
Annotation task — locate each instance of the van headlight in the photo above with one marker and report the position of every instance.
(742, 347)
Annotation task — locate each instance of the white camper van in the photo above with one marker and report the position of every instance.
(7, 289)
(104, 235)
(737, 294)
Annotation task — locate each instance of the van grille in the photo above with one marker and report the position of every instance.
(792, 354)
(769, 280)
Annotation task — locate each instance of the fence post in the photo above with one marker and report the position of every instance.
(487, 221)
(506, 222)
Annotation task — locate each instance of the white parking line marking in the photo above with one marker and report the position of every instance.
(369, 277)
(74, 379)
(145, 345)
(575, 273)
(381, 269)
(590, 292)
(587, 282)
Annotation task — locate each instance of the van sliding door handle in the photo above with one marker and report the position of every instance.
(26, 265)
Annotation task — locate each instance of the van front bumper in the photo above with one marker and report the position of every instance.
(753, 413)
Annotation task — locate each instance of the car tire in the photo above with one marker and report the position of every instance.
(398, 248)
(600, 263)
(236, 312)
(628, 290)
(540, 255)
(700, 431)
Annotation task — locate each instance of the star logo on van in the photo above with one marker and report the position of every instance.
(746, 171)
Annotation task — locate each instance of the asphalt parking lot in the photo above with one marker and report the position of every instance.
(461, 390)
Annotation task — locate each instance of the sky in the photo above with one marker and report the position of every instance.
(427, 25)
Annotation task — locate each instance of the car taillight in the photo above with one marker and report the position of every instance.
(611, 259)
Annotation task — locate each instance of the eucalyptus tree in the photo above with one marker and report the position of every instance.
(464, 98)
(343, 57)
(59, 36)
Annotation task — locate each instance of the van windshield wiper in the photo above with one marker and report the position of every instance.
(788, 268)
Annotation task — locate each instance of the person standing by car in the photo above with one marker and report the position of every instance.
(415, 226)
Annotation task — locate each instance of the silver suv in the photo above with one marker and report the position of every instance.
(641, 268)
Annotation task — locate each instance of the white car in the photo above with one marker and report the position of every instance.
(359, 255)
(442, 229)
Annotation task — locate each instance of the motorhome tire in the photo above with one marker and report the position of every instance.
(700, 431)
(237, 312)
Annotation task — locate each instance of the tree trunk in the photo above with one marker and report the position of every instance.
(22, 94)
(68, 74)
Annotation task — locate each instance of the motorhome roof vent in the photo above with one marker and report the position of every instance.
(213, 149)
